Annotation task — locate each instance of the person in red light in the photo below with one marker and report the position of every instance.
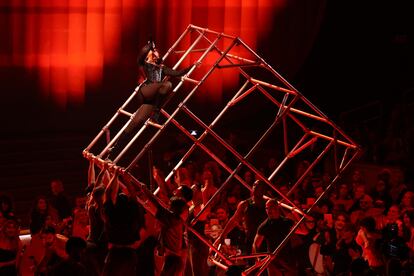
(252, 212)
(273, 230)
(152, 93)
(173, 235)
(59, 200)
(123, 220)
(10, 248)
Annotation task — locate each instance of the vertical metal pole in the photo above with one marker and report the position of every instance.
(305, 173)
(280, 246)
(188, 51)
(187, 30)
(335, 152)
(285, 136)
(287, 156)
(150, 166)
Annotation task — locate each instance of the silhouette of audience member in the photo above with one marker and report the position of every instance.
(59, 201)
(71, 265)
(251, 212)
(234, 270)
(6, 206)
(346, 251)
(123, 220)
(381, 195)
(273, 230)
(40, 215)
(173, 236)
(49, 252)
(97, 239)
(10, 248)
(368, 238)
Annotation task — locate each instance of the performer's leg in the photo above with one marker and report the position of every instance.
(150, 97)
(160, 97)
(165, 87)
(138, 119)
(163, 92)
(150, 91)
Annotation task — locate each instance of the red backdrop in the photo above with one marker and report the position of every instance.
(68, 43)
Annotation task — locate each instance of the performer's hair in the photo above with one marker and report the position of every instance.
(143, 54)
(151, 43)
(187, 193)
(177, 205)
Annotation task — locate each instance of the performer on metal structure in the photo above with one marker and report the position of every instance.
(152, 92)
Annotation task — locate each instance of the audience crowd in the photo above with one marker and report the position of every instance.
(360, 228)
(363, 226)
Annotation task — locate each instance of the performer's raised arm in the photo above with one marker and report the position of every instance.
(111, 190)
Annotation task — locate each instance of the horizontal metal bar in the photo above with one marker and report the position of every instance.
(331, 139)
(151, 123)
(242, 96)
(121, 111)
(191, 80)
(251, 256)
(273, 86)
(192, 51)
(307, 114)
(211, 32)
(243, 59)
(237, 65)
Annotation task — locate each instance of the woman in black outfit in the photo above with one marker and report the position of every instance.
(152, 93)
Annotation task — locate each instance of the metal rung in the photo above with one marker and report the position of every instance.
(191, 80)
(151, 123)
(124, 112)
(273, 86)
(192, 51)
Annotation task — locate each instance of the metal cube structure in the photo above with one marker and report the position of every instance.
(282, 122)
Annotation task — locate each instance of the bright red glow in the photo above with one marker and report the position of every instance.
(69, 42)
